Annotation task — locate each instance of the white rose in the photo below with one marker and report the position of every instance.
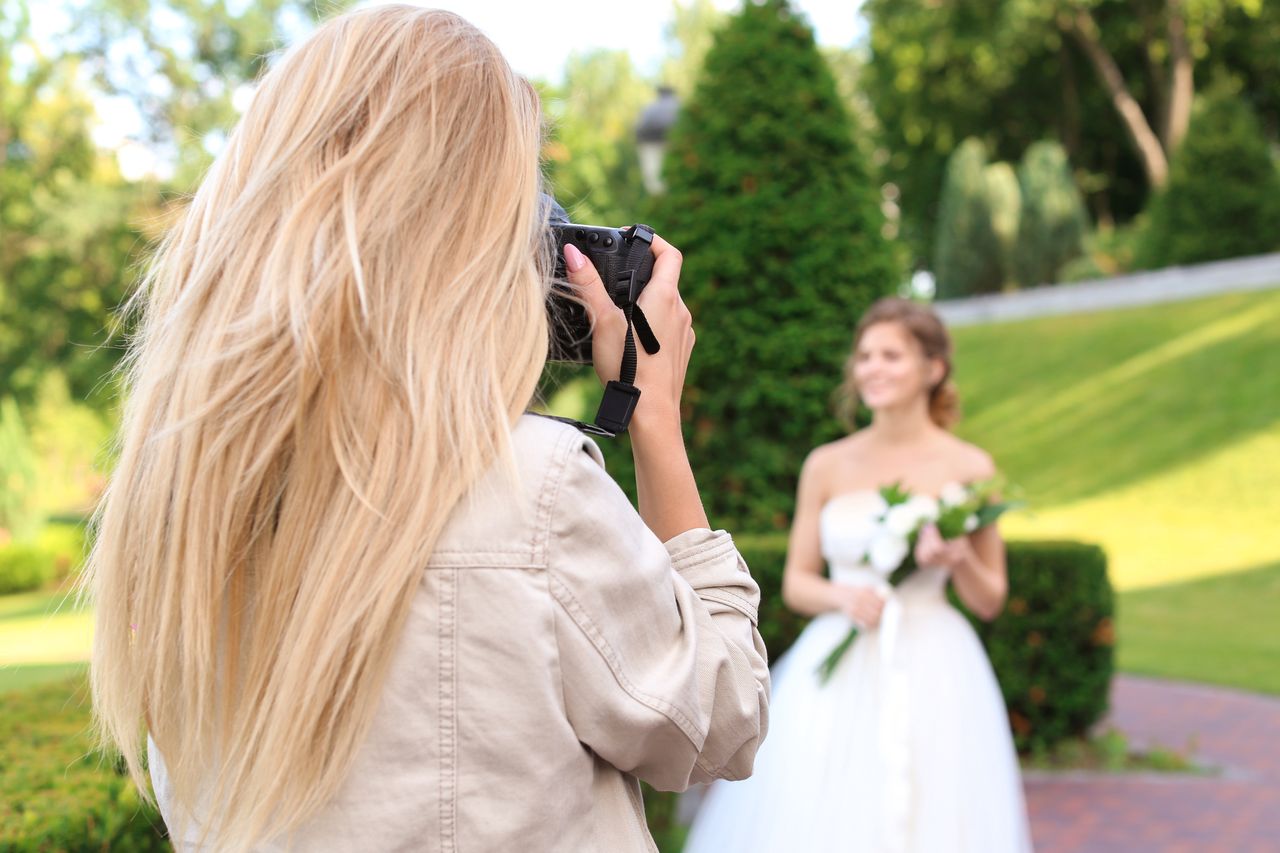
(887, 552)
(876, 505)
(971, 524)
(953, 494)
(924, 507)
(900, 520)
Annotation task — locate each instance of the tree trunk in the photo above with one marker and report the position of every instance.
(1084, 30)
(1183, 88)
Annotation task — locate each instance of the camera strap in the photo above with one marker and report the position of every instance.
(621, 395)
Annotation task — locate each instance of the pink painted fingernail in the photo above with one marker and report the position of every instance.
(573, 259)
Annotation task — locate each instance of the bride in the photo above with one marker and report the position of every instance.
(907, 747)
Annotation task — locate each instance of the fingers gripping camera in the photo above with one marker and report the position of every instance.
(624, 260)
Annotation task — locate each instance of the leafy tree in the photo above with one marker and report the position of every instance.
(183, 63)
(590, 156)
(1112, 82)
(66, 248)
(781, 227)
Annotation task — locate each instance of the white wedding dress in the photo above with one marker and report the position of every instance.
(906, 748)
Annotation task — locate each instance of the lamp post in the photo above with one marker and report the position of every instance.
(651, 137)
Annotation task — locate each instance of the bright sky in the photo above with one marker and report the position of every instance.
(535, 35)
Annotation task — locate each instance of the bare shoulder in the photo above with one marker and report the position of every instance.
(971, 461)
(820, 462)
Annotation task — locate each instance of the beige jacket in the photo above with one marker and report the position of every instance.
(556, 653)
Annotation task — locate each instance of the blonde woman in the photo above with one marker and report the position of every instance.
(907, 747)
(357, 598)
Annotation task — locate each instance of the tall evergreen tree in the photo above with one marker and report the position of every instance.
(1223, 197)
(781, 228)
(1053, 222)
(967, 255)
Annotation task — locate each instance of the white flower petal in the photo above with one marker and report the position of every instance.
(924, 508)
(901, 520)
(971, 524)
(887, 552)
(953, 494)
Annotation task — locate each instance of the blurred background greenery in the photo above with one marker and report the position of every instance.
(951, 150)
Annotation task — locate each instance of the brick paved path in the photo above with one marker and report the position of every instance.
(1235, 811)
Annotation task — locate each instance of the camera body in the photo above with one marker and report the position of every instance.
(625, 263)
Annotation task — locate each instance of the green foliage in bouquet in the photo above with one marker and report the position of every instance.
(779, 220)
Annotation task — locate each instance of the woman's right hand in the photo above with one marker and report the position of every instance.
(862, 604)
(660, 377)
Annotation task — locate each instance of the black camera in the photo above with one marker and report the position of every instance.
(624, 260)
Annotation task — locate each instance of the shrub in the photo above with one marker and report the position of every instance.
(966, 258)
(1053, 648)
(1004, 199)
(22, 568)
(1109, 251)
(1223, 195)
(55, 554)
(19, 515)
(59, 793)
(781, 223)
(1052, 228)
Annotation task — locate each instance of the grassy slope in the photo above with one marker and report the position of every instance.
(1154, 431)
(43, 637)
(1220, 630)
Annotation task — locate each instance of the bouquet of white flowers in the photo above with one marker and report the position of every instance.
(896, 526)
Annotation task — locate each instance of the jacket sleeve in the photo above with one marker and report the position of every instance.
(664, 673)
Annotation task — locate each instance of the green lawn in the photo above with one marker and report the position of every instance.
(1221, 630)
(1154, 431)
(43, 637)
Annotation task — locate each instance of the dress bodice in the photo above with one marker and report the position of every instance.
(846, 528)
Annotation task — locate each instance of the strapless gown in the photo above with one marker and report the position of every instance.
(906, 748)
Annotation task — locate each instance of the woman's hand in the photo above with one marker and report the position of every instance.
(954, 555)
(862, 604)
(660, 377)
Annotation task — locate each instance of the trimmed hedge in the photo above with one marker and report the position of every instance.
(58, 792)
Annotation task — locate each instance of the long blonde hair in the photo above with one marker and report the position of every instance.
(335, 342)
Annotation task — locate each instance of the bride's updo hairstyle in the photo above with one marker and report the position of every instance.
(333, 345)
(926, 327)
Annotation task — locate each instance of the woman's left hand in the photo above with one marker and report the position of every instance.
(951, 554)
